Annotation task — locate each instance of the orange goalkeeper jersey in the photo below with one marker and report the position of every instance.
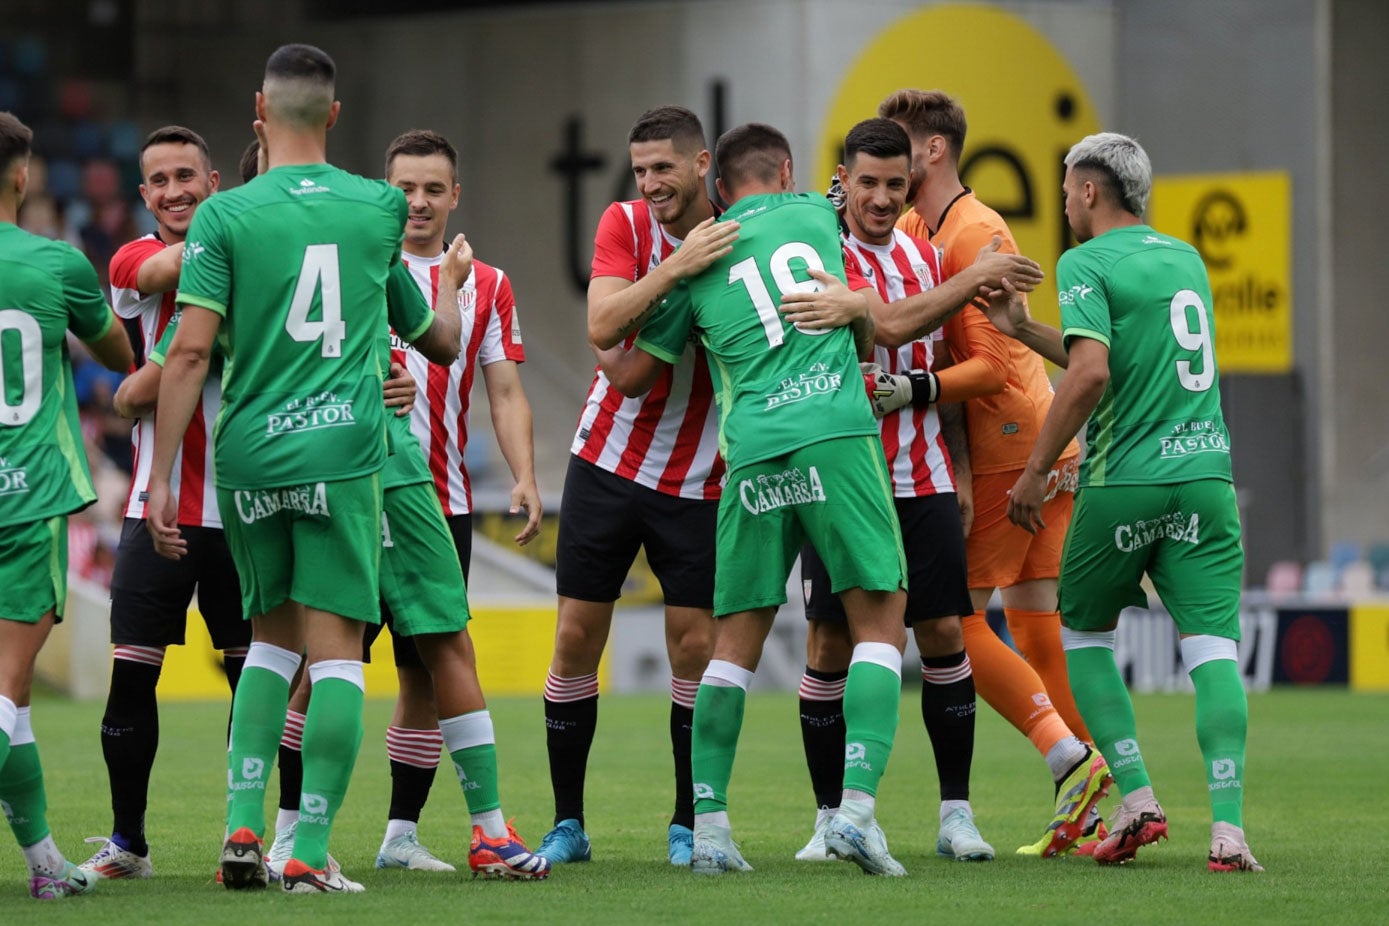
(1005, 383)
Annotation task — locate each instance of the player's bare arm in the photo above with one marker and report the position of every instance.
(632, 372)
(955, 431)
(917, 316)
(1007, 309)
(399, 390)
(833, 305)
(138, 393)
(159, 272)
(511, 422)
(617, 307)
(442, 341)
(180, 391)
(1077, 395)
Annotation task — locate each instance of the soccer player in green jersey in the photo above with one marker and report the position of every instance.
(46, 289)
(291, 271)
(1156, 494)
(805, 461)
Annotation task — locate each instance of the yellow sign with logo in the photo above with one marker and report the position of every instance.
(1242, 225)
(1024, 104)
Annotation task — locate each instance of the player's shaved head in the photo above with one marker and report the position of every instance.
(928, 112)
(298, 86)
(751, 153)
(675, 124)
(16, 139)
(422, 143)
(1118, 165)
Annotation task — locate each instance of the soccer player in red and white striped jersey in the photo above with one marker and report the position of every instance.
(424, 165)
(924, 444)
(150, 594)
(643, 472)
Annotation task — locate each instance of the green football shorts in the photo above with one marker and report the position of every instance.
(1185, 536)
(34, 569)
(834, 493)
(318, 544)
(421, 581)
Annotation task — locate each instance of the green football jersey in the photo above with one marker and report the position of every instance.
(778, 388)
(406, 308)
(407, 311)
(1146, 295)
(46, 288)
(296, 262)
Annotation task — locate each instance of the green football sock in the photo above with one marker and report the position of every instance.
(872, 694)
(258, 721)
(332, 735)
(1222, 722)
(718, 719)
(1108, 711)
(477, 773)
(21, 788)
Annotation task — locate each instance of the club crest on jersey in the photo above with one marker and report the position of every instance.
(770, 491)
(14, 480)
(819, 380)
(313, 413)
(923, 276)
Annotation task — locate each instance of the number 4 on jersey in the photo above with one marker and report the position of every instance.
(318, 273)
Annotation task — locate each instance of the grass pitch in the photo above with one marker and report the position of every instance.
(1315, 763)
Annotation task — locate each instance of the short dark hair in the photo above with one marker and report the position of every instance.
(753, 151)
(301, 62)
(674, 123)
(176, 135)
(422, 143)
(250, 161)
(928, 112)
(299, 85)
(879, 138)
(16, 140)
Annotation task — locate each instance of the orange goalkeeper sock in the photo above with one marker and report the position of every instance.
(1008, 684)
(1038, 635)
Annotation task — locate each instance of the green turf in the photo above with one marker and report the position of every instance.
(1315, 761)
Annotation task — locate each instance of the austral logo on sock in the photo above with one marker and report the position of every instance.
(313, 808)
(252, 775)
(463, 779)
(1223, 771)
(1128, 752)
(703, 792)
(856, 756)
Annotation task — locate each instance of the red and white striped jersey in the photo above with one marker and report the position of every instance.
(491, 332)
(668, 439)
(916, 453)
(194, 478)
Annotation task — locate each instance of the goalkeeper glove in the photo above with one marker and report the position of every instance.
(887, 392)
(890, 391)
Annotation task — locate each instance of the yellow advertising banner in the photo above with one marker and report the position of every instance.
(513, 644)
(1242, 225)
(1369, 647)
